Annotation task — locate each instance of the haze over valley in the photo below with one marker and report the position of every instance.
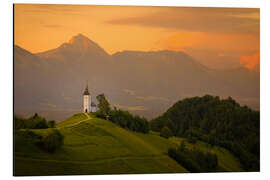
(143, 82)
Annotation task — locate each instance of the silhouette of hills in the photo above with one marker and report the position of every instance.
(146, 83)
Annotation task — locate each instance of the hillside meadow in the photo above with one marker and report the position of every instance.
(96, 146)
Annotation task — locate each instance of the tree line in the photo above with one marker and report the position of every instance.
(34, 122)
(27, 130)
(194, 160)
(122, 118)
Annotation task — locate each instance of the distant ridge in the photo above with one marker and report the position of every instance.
(54, 79)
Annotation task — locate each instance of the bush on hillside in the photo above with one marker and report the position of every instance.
(122, 118)
(34, 122)
(166, 132)
(129, 121)
(19, 123)
(48, 140)
(192, 139)
(52, 141)
(29, 135)
(51, 124)
(194, 160)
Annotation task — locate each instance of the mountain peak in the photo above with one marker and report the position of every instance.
(78, 45)
(82, 44)
(80, 40)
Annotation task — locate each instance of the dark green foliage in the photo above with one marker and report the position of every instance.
(171, 126)
(34, 122)
(157, 124)
(29, 135)
(121, 118)
(52, 141)
(51, 124)
(191, 139)
(194, 160)
(129, 121)
(216, 121)
(103, 105)
(183, 159)
(166, 132)
(49, 140)
(19, 123)
(182, 146)
(26, 141)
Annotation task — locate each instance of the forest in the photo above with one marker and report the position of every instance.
(221, 122)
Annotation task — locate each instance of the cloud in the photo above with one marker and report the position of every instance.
(204, 40)
(48, 105)
(131, 108)
(215, 50)
(251, 62)
(152, 98)
(52, 105)
(198, 19)
(130, 92)
(52, 9)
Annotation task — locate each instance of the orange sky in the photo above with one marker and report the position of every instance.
(217, 37)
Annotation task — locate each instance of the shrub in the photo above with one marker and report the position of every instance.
(40, 123)
(184, 160)
(192, 139)
(166, 132)
(29, 135)
(51, 124)
(34, 122)
(52, 141)
(126, 120)
(182, 146)
(19, 123)
(194, 160)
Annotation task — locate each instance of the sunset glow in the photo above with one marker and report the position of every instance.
(217, 37)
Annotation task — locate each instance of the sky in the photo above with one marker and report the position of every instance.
(216, 37)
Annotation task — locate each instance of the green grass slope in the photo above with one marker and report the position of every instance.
(96, 146)
(227, 162)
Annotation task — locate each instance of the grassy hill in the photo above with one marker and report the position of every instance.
(97, 146)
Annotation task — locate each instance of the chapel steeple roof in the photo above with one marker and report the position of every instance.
(86, 92)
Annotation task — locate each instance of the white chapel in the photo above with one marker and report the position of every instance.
(88, 105)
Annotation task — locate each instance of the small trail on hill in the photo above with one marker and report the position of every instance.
(74, 124)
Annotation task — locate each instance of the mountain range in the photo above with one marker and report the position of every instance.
(145, 83)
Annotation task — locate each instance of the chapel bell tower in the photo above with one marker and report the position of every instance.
(86, 100)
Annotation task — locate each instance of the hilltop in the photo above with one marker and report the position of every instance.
(221, 122)
(96, 146)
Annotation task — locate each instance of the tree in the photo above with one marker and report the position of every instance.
(171, 126)
(219, 122)
(104, 106)
(166, 132)
(182, 146)
(35, 116)
(51, 124)
(40, 123)
(191, 139)
(19, 123)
